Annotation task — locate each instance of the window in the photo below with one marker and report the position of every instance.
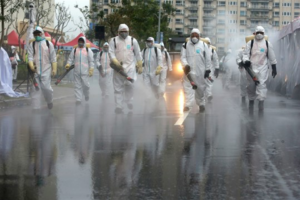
(222, 3)
(286, 13)
(242, 30)
(232, 30)
(276, 5)
(169, 1)
(95, 1)
(179, 21)
(115, 1)
(221, 21)
(232, 21)
(232, 3)
(221, 30)
(243, 4)
(296, 14)
(105, 11)
(105, 2)
(285, 22)
(286, 4)
(221, 12)
(232, 12)
(243, 22)
(276, 23)
(275, 14)
(243, 13)
(297, 5)
(221, 40)
(179, 3)
(179, 12)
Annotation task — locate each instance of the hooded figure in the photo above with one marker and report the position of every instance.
(243, 74)
(257, 54)
(214, 70)
(195, 59)
(228, 63)
(166, 64)
(82, 58)
(152, 66)
(124, 51)
(14, 61)
(41, 56)
(103, 64)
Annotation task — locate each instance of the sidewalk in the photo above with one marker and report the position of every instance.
(62, 91)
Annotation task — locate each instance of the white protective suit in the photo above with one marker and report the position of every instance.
(166, 64)
(243, 74)
(215, 65)
(127, 52)
(151, 61)
(193, 55)
(105, 80)
(83, 61)
(17, 58)
(42, 58)
(229, 63)
(259, 64)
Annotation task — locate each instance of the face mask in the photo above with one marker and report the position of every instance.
(80, 44)
(149, 44)
(195, 40)
(105, 49)
(124, 35)
(259, 36)
(38, 38)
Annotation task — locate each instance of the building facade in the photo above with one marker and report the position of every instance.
(225, 20)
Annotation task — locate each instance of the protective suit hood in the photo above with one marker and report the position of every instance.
(105, 44)
(84, 40)
(37, 28)
(150, 39)
(195, 30)
(123, 27)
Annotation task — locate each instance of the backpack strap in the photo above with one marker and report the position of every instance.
(166, 55)
(267, 44)
(33, 46)
(155, 49)
(75, 52)
(144, 50)
(184, 45)
(115, 42)
(252, 41)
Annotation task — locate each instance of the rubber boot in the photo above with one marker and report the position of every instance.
(261, 105)
(201, 108)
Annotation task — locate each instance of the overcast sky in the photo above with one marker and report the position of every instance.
(75, 14)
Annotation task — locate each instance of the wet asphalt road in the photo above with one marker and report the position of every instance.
(87, 152)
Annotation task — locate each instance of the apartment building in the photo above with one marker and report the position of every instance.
(225, 20)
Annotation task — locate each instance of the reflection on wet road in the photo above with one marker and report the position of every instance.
(88, 152)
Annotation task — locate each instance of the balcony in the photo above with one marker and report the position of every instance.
(193, 8)
(250, 17)
(193, 16)
(210, 16)
(252, 1)
(191, 25)
(260, 8)
(196, 1)
(179, 22)
(209, 7)
(180, 4)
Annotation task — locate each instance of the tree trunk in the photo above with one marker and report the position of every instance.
(2, 23)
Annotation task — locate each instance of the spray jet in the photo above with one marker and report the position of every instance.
(64, 74)
(120, 71)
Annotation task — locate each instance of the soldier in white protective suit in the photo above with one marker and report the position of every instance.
(166, 65)
(42, 61)
(257, 54)
(215, 71)
(152, 66)
(103, 64)
(82, 58)
(124, 52)
(195, 58)
(243, 74)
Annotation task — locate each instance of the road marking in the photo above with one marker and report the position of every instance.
(182, 118)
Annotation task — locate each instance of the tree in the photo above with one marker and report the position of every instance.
(44, 14)
(133, 14)
(63, 17)
(8, 9)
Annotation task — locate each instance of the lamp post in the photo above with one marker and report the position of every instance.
(159, 16)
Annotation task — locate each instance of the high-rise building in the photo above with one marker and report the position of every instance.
(225, 20)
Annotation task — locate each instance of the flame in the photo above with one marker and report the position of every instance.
(179, 67)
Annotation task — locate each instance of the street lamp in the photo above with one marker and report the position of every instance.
(159, 16)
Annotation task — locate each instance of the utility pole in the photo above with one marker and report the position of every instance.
(159, 16)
